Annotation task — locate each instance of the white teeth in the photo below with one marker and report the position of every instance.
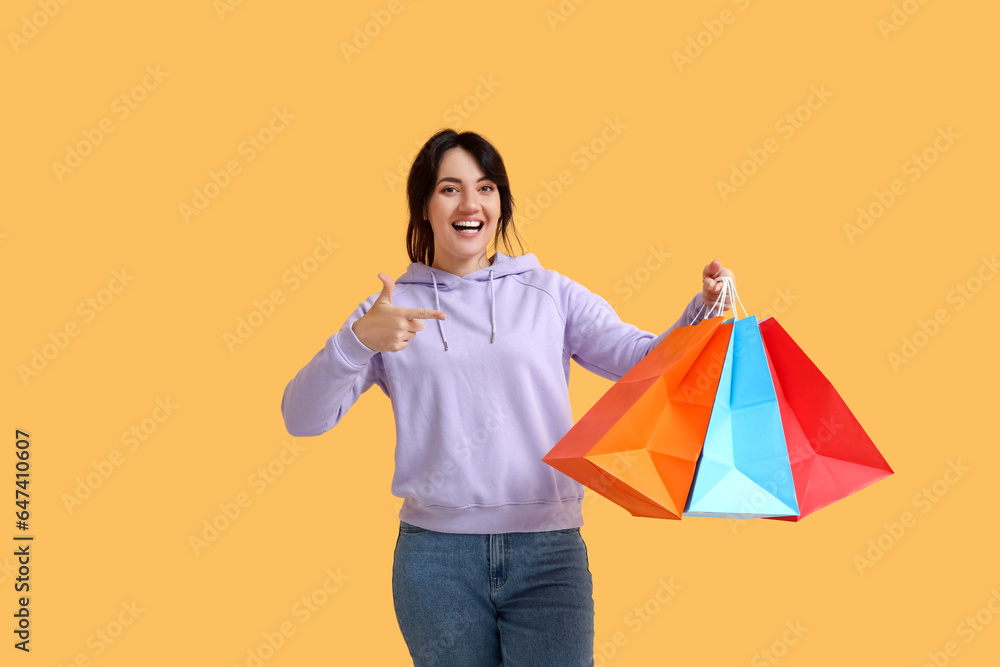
(467, 226)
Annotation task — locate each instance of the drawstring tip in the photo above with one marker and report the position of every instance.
(446, 346)
(492, 336)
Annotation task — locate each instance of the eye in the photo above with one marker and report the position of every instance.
(450, 187)
(490, 187)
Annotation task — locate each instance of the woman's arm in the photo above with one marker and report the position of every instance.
(598, 340)
(319, 395)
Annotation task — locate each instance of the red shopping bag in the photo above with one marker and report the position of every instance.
(831, 456)
(639, 444)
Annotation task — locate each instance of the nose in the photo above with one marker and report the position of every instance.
(468, 201)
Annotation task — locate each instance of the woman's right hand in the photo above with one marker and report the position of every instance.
(388, 328)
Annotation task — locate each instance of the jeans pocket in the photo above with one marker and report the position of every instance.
(410, 528)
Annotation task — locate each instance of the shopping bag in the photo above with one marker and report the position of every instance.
(743, 471)
(831, 455)
(639, 443)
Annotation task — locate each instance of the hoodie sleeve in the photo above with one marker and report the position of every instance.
(319, 395)
(598, 340)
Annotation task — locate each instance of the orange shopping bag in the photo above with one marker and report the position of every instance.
(639, 444)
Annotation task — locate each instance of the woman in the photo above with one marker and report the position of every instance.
(489, 567)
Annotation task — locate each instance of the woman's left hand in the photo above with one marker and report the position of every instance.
(712, 283)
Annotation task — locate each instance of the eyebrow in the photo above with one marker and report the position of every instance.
(452, 179)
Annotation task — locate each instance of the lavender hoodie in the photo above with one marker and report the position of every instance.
(478, 398)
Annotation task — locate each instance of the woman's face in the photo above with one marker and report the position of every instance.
(462, 193)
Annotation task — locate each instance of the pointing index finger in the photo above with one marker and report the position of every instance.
(424, 314)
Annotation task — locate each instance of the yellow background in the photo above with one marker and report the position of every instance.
(848, 300)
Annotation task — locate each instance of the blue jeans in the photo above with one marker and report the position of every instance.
(511, 599)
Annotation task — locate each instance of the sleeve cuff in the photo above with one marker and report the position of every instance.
(351, 348)
(691, 314)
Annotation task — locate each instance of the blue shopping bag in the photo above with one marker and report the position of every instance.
(744, 471)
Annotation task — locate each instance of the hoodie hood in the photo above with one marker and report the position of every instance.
(419, 273)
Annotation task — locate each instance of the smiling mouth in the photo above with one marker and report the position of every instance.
(467, 226)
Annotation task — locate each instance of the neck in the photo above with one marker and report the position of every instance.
(462, 266)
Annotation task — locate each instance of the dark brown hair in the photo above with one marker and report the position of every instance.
(421, 182)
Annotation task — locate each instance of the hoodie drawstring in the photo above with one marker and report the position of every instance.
(493, 311)
(437, 305)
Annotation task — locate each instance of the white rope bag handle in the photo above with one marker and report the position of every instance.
(728, 286)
